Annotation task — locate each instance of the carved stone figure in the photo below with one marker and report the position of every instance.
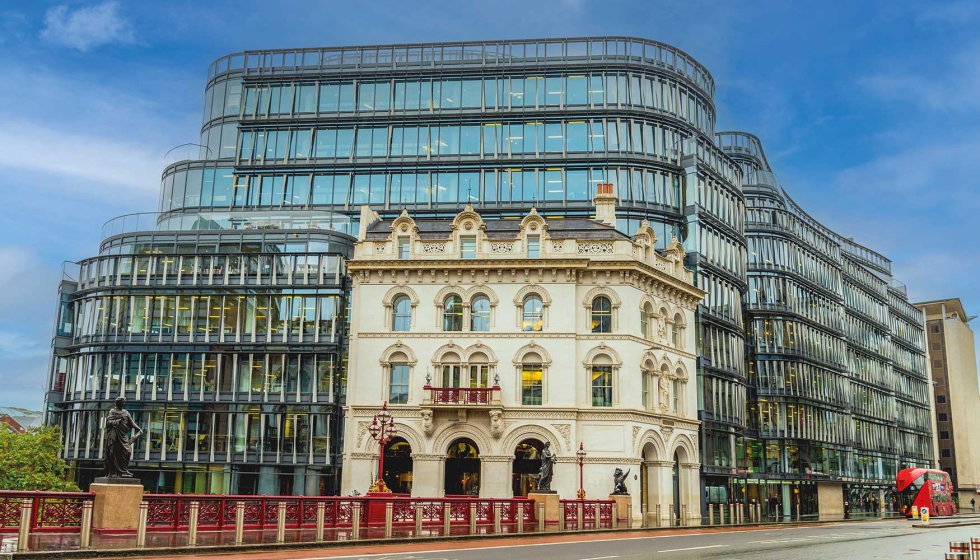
(661, 326)
(118, 444)
(619, 481)
(664, 392)
(496, 425)
(427, 425)
(547, 468)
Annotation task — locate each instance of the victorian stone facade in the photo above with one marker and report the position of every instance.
(489, 339)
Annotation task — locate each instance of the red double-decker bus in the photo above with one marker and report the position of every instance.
(925, 488)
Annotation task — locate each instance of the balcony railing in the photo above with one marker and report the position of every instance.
(462, 396)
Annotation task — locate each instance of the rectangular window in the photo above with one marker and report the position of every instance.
(946, 453)
(943, 417)
(602, 386)
(467, 247)
(398, 384)
(937, 364)
(533, 246)
(532, 378)
(404, 247)
(941, 399)
(943, 434)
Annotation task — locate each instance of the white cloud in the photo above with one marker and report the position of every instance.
(951, 85)
(12, 26)
(86, 28)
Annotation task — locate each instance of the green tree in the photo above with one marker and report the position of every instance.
(30, 461)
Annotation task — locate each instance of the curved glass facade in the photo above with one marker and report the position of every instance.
(223, 315)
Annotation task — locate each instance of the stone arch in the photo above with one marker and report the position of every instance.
(449, 347)
(478, 290)
(455, 430)
(524, 431)
(529, 348)
(532, 289)
(389, 298)
(406, 429)
(681, 445)
(681, 371)
(480, 348)
(591, 355)
(447, 291)
(602, 291)
(653, 438)
(398, 347)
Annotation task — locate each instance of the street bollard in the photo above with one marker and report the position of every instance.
(615, 518)
(960, 547)
(355, 522)
(741, 514)
(389, 518)
(472, 518)
(643, 515)
(24, 532)
(670, 513)
(446, 514)
(496, 518)
(418, 519)
(731, 513)
(195, 512)
(239, 523)
(683, 519)
(758, 513)
(141, 526)
(520, 518)
(711, 514)
(561, 518)
(975, 548)
(281, 523)
(86, 534)
(957, 556)
(658, 516)
(798, 518)
(629, 516)
(581, 516)
(541, 517)
(321, 517)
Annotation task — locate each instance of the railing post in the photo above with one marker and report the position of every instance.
(520, 517)
(447, 511)
(658, 515)
(496, 518)
(239, 522)
(541, 517)
(195, 511)
(321, 516)
(389, 518)
(629, 516)
(24, 531)
(281, 522)
(561, 517)
(975, 548)
(670, 512)
(683, 520)
(355, 522)
(418, 519)
(141, 526)
(472, 518)
(580, 513)
(86, 535)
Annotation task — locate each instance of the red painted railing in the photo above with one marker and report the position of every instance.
(171, 512)
(50, 511)
(595, 513)
(462, 395)
(433, 510)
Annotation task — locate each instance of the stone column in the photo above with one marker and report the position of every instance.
(662, 492)
(428, 474)
(359, 471)
(496, 478)
(691, 492)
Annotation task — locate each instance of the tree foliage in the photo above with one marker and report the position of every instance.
(30, 461)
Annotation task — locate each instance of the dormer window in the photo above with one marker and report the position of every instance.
(533, 246)
(467, 246)
(404, 247)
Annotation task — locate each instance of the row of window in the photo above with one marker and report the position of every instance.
(779, 292)
(725, 349)
(861, 276)
(908, 360)
(858, 299)
(721, 250)
(785, 336)
(809, 458)
(912, 388)
(723, 298)
(907, 331)
(800, 421)
(201, 376)
(222, 189)
(488, 93)
(870, 369)
(202, 242)
(723, 400)
(799, 379)
(292, 436)
(872, 402)
(210, 318)
(776, 253)
(872, 435)
(489, 140)
(721, 202)
(904, 307)
(910, 416)
(766, 213)
(211, 270)
(866, 335)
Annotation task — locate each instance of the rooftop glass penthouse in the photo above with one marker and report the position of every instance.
(294, 142)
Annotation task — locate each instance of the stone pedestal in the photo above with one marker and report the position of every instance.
(621, 509)
(117, 504)
(552, 507)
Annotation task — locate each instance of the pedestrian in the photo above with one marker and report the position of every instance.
(847, 510)
(773, 506)
(973, 504)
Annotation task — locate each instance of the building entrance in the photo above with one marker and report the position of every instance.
(462, 468)
(527, 465)
(398, 466)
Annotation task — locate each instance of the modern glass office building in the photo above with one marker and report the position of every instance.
(222, 316)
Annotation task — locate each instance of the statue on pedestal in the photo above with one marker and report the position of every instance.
(118, 444)
(547, 468)
(619, 481)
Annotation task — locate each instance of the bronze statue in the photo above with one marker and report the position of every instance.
(547, 468)
(619, 482)
(118, 444)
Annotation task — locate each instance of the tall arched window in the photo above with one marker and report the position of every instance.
(677, 394)
(533, 314)
(479, 371)
(480, 314)
(451, 371)
(532, 380)
(677, 331)
(602, 385)
(452, 314)
(601, 315)
(401, 314)
(398, 384)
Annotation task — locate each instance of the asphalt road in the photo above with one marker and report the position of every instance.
(846, 541)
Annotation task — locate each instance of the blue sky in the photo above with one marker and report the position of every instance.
(868, 112)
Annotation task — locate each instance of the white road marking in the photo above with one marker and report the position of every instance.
(601, 558)
(694, 548)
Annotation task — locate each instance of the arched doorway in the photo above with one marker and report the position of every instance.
(398, 466)
(650, 480)
(463, 468)
(527, 465)
(676, 472)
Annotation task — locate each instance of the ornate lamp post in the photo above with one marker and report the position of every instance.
(382, 430)
(581, 461)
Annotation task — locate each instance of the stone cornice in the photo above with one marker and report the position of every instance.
(540, 413)
(600, 460)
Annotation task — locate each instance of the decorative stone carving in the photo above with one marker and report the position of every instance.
(380, 248)
(430, 248)
(619, 481)
(362, 428)
(496, 425)
(557, 247)
(427, 424)
(664, 392)
(566, 432)
(501, 248)
(595, 248)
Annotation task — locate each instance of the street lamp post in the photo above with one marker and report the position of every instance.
(382, 430)
(581, 461)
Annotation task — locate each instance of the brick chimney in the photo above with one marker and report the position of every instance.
(605, 204)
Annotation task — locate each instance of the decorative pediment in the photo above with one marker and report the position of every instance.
(533, 224)
(645, 234)
(468, 221)
(404, 224)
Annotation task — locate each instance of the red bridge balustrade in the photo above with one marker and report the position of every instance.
(171, 512)
(595, 513)
(433, 510)
(463, 396)
(50, 511)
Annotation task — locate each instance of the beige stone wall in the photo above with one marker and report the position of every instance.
(964, 402)
(830, 500)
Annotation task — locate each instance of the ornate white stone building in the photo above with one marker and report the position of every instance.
(488, 339)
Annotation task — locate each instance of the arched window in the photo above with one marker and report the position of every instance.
(677, 394)
(677, 331)
(480, 314)
(601, 315)
(450, 370)
(602, 381)
(479, 371)
(644, 323)
(532, 379)
(401, 314)
(398, 384)
(533, 314)
(452, 314)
